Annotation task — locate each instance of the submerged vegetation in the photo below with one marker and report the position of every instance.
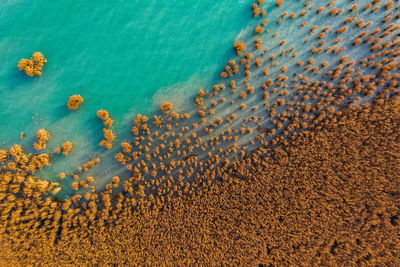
(34, 65)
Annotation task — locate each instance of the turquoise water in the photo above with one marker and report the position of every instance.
(123, 56)
(129, 57)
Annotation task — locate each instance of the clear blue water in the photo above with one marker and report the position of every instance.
(129, 57)
(125, 56)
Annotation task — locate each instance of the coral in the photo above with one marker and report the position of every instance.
(34, 65)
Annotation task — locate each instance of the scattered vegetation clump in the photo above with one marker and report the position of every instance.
(103, 114)
(90, 164)
(126, 147)
(166, 107)
(108, 133)
(109, 138)
(42, 137)
(248, 191)
(74, 102)
(240, 47)
(141, 125)
(34, 65)
(66, 148)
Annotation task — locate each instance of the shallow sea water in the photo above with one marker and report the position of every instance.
(123, 56)
(129, 58)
